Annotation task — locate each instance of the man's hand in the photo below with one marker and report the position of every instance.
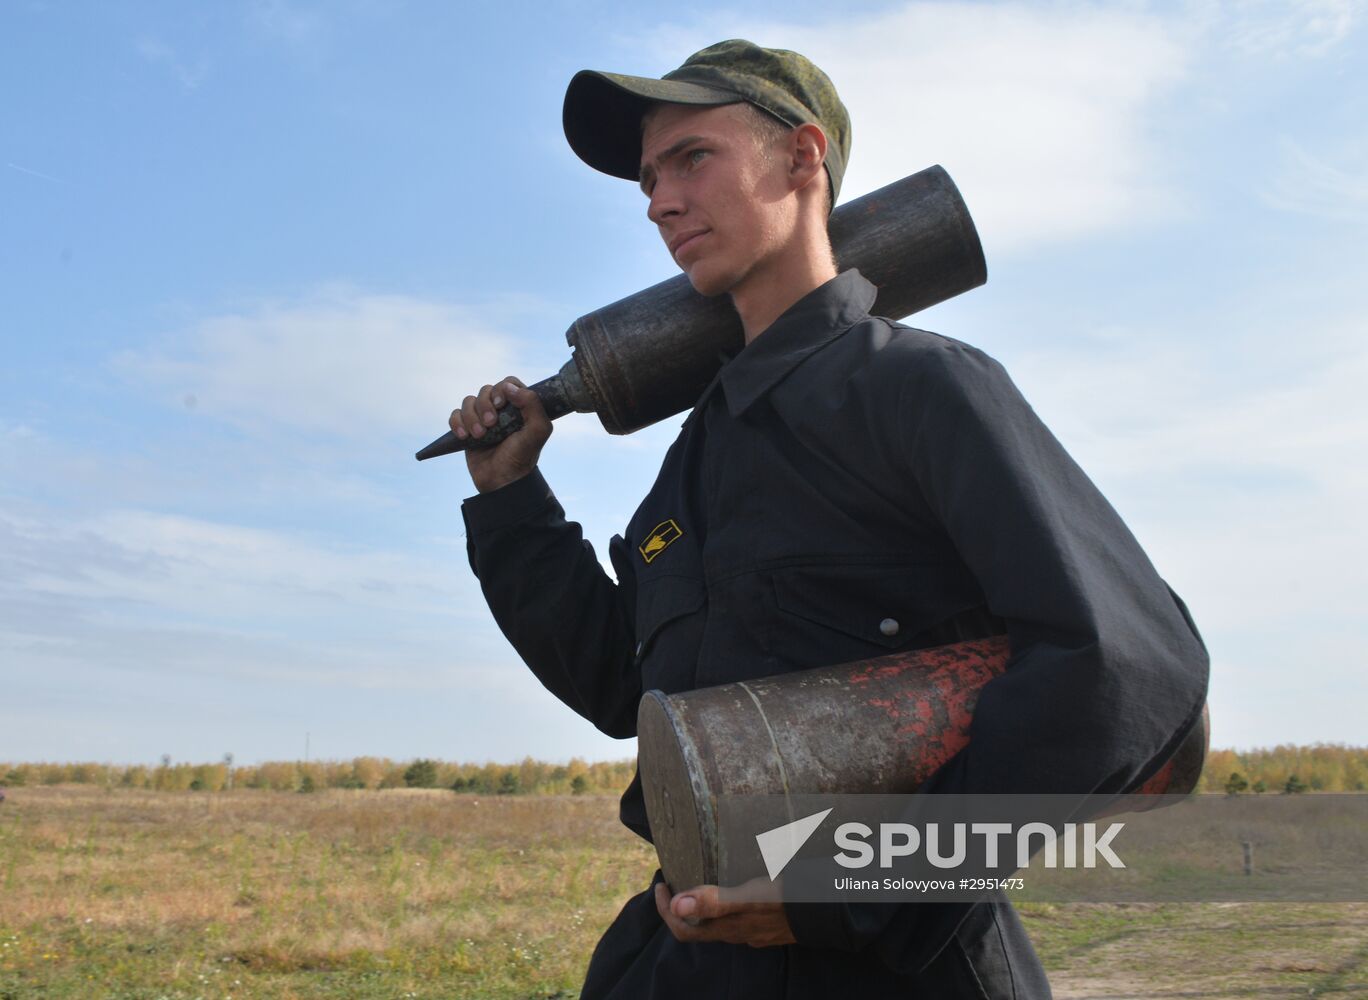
(516, 455)
(698, 915)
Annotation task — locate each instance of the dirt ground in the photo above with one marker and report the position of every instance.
(1210, 951)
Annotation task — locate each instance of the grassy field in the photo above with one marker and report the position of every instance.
(135, 894)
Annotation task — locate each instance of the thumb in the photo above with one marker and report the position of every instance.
(698, 904)
(527, 402)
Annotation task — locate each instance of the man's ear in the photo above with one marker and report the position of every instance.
(807, 153)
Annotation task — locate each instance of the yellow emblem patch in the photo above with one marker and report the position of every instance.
(659, 539)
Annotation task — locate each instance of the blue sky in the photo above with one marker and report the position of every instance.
(252, 254)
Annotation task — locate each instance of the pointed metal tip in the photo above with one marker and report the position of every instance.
(447, 444)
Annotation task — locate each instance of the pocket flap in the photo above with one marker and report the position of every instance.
(661, 600)
(884, 605)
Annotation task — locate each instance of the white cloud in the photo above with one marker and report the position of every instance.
(339, 362)
(194, 635)
(1283, 28)
(189, 74)
(287, 22)
(1260, 447)
(1311, 185)
(162, 591)
(1042, 115)
(224, 572)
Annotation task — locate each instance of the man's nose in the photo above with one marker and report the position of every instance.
(665, 202)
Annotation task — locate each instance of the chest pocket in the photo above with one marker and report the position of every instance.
(667, 614)
(661, 603)
(878, 607)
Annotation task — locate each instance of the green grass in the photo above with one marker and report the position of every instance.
(1202, 949)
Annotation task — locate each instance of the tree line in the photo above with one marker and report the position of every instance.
(1322, 767)
(528, 777)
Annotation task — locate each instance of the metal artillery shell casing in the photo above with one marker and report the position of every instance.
(880, 726)
(650, 355)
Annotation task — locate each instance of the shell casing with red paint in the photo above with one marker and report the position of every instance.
(875, 726)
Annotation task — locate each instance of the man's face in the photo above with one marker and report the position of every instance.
(719, 201)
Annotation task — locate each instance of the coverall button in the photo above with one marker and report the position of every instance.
(889, 626)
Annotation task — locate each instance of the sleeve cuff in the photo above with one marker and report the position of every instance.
(517, 501)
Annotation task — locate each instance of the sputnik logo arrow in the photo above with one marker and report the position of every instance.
(778, 846)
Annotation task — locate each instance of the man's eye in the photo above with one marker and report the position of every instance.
(696, 155)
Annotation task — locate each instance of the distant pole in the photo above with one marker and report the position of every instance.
(228, 763)
(306, 748)
(1248, 856)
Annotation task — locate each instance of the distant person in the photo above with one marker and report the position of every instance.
(847, 487)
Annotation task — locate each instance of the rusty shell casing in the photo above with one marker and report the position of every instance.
(875, 726)
(650, 355)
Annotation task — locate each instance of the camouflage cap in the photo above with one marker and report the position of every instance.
(603, 111)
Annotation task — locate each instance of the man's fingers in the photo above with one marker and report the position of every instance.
(487, 408)
(471, 416)
(464, 420)
(480, 412)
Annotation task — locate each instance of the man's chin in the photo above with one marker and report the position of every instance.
(708, 284)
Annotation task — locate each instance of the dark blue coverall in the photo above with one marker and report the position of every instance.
(841, 471)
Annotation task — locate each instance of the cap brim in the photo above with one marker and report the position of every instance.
(603, 111)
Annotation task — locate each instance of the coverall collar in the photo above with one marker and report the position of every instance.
(805, 328)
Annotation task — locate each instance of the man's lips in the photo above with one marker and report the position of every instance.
(684, 239)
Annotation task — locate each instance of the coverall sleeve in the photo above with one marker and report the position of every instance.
(1107, 673)
(564, 615)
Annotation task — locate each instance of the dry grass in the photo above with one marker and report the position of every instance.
(166, 894)
(141, 895)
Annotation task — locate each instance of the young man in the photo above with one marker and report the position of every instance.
(846, 487)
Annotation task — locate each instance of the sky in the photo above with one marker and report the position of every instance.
(252, 254)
